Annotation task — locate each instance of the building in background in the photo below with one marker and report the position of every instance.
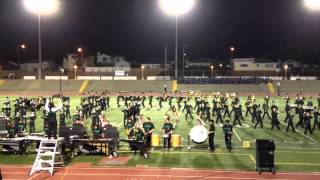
(254, 64)
(201, 62)
(112, 61)
(70, 60)
(292, 64)
(33, 67)
(152, 66)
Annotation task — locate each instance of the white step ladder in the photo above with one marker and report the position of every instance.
(49, 156)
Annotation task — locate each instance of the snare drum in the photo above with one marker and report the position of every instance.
(175, 140)
(155, 140)
(199, 134)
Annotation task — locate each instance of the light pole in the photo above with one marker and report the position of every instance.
(19, 47)
(278, 81)
(211, 67)
(75, 71)
(81, 51)
(142, 69)
(221, 66)
(232, 50)
(176, 8)
(285, 72)
(184, 54)
(61, 70)
(165, 61)
(41, 7)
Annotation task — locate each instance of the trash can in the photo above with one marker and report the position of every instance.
(265, 155)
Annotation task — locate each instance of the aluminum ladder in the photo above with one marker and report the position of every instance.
(48, 157)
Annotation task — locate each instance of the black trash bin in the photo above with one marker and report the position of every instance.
(265, 155)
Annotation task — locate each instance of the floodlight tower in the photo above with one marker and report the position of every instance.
(312, 4)
(176, 8)
(41, 8)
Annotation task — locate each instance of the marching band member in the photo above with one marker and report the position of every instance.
(274, 117)
(258, 118)
(167, 131)
(148, 128)
(211, 135)
(290, 116)
(316, 119)
(307, 122)
(228, 130)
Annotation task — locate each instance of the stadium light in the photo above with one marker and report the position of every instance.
(41, 8)
(211, 67)
(176, 8)
(79, 50)
(23, 46)
(312, 4)
(20, 47)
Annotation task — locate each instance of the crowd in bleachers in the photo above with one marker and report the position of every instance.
(223, 81)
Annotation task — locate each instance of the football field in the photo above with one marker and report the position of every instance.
(294, 151)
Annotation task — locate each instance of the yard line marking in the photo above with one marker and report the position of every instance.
(236, 133)
(252, 159)
(299, 152)
(308, 137)
(298, 164)
(297, 148)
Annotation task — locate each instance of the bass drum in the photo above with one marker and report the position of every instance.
(175, 140)
(155, 140)
(199, 134)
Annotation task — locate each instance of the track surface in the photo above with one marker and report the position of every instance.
(119, 173)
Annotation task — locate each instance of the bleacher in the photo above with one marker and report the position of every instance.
(223, 80)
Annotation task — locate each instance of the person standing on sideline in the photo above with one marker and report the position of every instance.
(211, 135)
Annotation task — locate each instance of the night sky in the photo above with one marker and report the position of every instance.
(138, 29)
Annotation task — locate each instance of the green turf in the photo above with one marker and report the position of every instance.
(294, 152)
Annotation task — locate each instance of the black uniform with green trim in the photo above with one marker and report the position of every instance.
(167, 127)
(227, 130)
(148, 126)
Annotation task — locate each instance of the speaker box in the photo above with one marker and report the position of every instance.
(265, 144)
(265, 153)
